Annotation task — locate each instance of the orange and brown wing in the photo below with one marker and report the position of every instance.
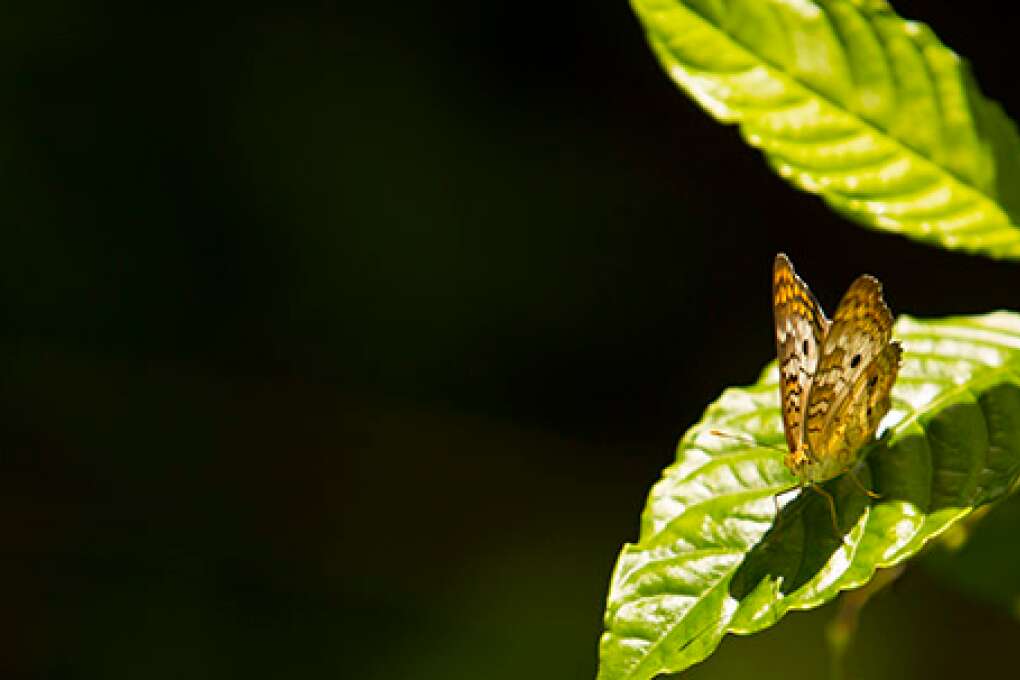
(856, 417)
(801, 328)
(860, 334)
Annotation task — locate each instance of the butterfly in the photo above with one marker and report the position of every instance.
(835, 376)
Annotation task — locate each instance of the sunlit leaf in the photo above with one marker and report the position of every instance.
(712, 556)
(851, 102)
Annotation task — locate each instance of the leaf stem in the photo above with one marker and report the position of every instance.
(840, 632)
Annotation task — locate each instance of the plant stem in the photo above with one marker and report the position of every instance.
(841, 630)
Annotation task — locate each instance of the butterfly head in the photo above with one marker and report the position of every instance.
(812, 468)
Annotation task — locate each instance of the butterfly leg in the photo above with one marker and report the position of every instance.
(778, 519)
(832, 507)
(868, 492)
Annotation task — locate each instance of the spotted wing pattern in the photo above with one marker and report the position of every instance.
(801, 328)
(860, 332)
(858, 416)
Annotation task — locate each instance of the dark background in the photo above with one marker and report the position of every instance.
(347, 342)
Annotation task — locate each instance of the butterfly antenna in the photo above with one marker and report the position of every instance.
(749, 439)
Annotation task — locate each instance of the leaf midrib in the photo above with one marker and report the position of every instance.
(708, 593)
(981, 374)
(907, 148)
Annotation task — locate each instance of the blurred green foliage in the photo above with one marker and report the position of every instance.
(346, 341)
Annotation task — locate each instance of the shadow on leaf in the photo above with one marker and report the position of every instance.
(803, 539)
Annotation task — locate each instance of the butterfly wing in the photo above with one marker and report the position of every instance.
(870, 398)
(858, 415)
(801, 328)
(855, 372)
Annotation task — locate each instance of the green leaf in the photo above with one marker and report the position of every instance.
(709, 559)
(853, 103)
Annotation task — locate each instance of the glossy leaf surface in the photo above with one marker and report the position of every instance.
(851, 102)
(713, 557)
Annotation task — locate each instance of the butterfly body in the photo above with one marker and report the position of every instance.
(835, 376)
